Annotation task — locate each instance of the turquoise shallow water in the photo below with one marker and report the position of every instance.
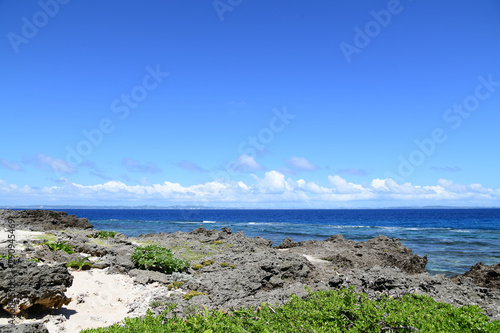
(453, 239)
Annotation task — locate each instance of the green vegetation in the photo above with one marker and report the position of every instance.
(157, 258)
(232, 266)
(35, 259)
(54, 246)
(224, 264)
(175, 285)
(323, 311)
(192, 294)
(207, 262)
(197, 267)
(106, 234)
(79, 263)
(7, 256)
(216, 242)
(48, 237)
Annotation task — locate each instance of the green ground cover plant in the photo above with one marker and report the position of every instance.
(157, 258)
(80, 263)
(55, 246)
(323, 311)
(106, 234)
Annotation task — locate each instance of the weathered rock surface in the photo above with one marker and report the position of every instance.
(482, 275)
(42, 220)
(40, 286)
(347, 255)
(240, 271)
(24, 328)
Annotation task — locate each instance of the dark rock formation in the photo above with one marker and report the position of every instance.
(26, 285)
(42, 220)
(347, 254)
(287, 243)
(482, 275)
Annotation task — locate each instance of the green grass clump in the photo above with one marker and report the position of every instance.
(175, 285)
(232, 266)
(157, 258)
(323, 311)
(216, 242)
(197, 267)
(192, 294)
(207, 262)
(106, 234)
(80, 263)
(224, 264)
(55, 246)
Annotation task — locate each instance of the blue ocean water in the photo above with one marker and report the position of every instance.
(453, 239)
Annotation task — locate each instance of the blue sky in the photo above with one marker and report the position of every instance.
(250, 103)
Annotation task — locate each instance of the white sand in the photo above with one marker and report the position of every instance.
(98, 299)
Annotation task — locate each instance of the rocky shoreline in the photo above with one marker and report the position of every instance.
(233, 270)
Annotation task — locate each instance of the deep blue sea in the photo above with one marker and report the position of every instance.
(453, 239)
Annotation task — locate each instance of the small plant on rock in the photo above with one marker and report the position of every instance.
(157, 258)
(207, 262)
(55, 246)
(197, 267)
(232, 266)
(106, 234)
(192, 294)
(175, 285)
(216, 242)
(79, 263)
(224, 264)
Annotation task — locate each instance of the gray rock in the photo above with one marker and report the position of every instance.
(43, 286)
(145, 277)
(24, 328)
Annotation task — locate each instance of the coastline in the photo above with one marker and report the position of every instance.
(261, 273)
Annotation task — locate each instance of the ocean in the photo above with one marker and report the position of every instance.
(453, 239)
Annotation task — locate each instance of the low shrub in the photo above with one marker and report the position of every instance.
(224, 264)
(157, 258)
(197, 267)
(323, 311)
(106, 234)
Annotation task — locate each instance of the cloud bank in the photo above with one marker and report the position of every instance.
(271, 190)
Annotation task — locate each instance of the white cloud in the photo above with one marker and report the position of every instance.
(247, 163)
(273, 182)
(341, 186)
(301, 164)
(14, 166)
(270, 190)
(44, 162)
